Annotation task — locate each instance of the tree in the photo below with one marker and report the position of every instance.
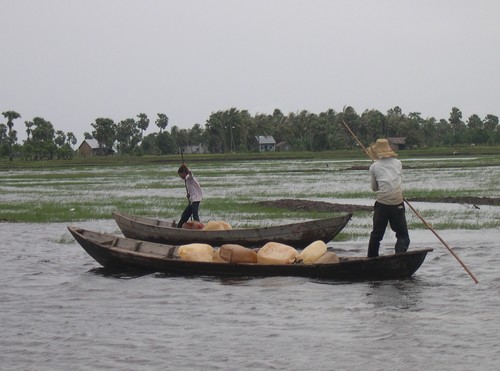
(351, 118)
(336, 131)
(281, 127)
(161, 121)
(320, 135)
(373, 124)
(182, 137)
(443, 133)
(476, 133)
(42, 139)
(195, 135)
(395, 121)
(414, 133)
(475, 122)
(12, 135)
(64, 149)
(28, 128)
(71, 138)
(104, 132)
(430, 133)
(301, 126)
(4, 149)
(60, 138)
(491, 122)
(166, 143)
(142, 123)
(222, 128)
(491, 127)
(128, 136)
(457, 125)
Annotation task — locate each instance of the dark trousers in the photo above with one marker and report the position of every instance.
(191, 209)
(395, 216)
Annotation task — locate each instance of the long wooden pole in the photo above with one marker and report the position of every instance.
(418, 215)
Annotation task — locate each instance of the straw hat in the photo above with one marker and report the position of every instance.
(381, 149)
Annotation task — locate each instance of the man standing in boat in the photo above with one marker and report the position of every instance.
(194, 195)
(386, 182)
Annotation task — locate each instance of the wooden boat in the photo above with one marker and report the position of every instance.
(123, 253)
(298, 235)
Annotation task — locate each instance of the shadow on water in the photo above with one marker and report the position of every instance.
(118, 273)
(400, 294)
(121, 273)
(223, 280)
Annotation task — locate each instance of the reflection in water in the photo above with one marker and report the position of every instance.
(118, 273)
(403, 294)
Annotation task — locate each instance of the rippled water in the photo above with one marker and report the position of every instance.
(61, 311)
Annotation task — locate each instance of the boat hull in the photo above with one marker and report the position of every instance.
(298, 235)
(124, 254)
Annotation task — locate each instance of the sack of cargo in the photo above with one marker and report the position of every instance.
(237, 254)
(193, 224)
(312, 252)
(216, 257)
(328, 257)
(276, 253)
(198, 252)
(214, 225)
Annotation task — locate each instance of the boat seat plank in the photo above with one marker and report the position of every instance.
(111, 243)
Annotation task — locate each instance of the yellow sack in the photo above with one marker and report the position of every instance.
(237, 254)
(312, 252)
(216, 258)
(214, 225)
(198, 252)
(276, 253)
(328, 258)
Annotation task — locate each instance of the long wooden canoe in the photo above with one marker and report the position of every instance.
(298, 235)
(122, 253)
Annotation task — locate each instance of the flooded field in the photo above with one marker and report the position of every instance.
(232, 189)
(61, 310)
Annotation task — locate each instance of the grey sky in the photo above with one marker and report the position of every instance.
(72, 61)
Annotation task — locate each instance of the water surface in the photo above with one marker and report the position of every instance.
(60, 310)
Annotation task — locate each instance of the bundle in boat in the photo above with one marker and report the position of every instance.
(216, 225)
(276, 253)
(193, 224)
(199, 252)
(328, 257)
(312, 252)
(236, 254)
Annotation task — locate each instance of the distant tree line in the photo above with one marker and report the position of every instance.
(235, 130)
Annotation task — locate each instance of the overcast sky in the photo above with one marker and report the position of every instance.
(72, 61)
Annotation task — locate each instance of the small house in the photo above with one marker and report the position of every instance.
(265, 143)
(397, 143)
(91, 147)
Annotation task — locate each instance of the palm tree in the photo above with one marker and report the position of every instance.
(10, 116)
(161, 121)
(143, 122)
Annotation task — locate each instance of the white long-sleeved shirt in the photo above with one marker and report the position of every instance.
(193, 188)
(386, 180)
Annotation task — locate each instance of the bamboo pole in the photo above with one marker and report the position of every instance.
(418, 215)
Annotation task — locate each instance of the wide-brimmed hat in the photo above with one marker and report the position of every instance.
(381, 149)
